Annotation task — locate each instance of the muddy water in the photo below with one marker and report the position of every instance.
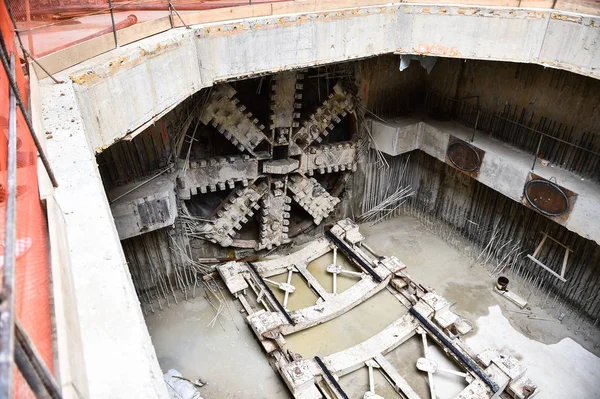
(303, 296)
(226, 356)
(347, 330)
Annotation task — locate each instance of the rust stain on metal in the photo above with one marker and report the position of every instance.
(464, 156)
(548, 198)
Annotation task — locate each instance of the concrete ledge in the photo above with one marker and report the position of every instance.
(120, 361)
(148, 208)
(122, 91)
(504, 168)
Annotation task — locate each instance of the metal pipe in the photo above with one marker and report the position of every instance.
(535, 156)
(429, 374)
(32, 367)
(112, 20)
(371, 378)
(286, 295)
(7, 297)
(140, 185)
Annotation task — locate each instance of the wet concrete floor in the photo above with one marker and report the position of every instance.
(229, 357)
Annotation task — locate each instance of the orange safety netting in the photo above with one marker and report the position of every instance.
(32, 275)
(48, 27)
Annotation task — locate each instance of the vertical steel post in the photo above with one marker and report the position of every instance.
(28, 21)
(32, 367)
(475, 127)
(537, 152)
(171, 15)
(7, 298)
(112, 19)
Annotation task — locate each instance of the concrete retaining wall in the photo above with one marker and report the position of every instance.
(504, 168)
(124, 90)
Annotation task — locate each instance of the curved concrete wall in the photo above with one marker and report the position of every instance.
(126, 89)
(122, 91)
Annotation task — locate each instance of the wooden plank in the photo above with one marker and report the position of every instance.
(396, 378)
(559, 243)
(539, 247)
(547, 269)
(564, 265)
(70, 56)
(537, 3)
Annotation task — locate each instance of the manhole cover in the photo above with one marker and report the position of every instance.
(464, 156)
(546, 197)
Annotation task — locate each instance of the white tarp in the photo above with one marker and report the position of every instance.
(179, 387)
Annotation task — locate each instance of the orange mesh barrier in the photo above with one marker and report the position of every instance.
(32, 275)
(48, 27)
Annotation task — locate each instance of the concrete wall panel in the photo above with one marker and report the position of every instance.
(120, 360)
(469, 32)
(506, 169)
(120, 92)
(572, 42)
(116, 100)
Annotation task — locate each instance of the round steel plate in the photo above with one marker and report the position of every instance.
(463, 156)
(546, 197)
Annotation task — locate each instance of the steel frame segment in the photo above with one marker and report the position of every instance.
(464, 359)
(311, 378)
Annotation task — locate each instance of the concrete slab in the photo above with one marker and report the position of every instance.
(505, 168)
(147, 208)
(124, 90)
(119, 357)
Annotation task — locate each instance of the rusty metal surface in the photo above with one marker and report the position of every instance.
(546, 197)
(464, 156)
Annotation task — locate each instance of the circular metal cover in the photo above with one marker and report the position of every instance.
(464, 156)
(546, 197)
